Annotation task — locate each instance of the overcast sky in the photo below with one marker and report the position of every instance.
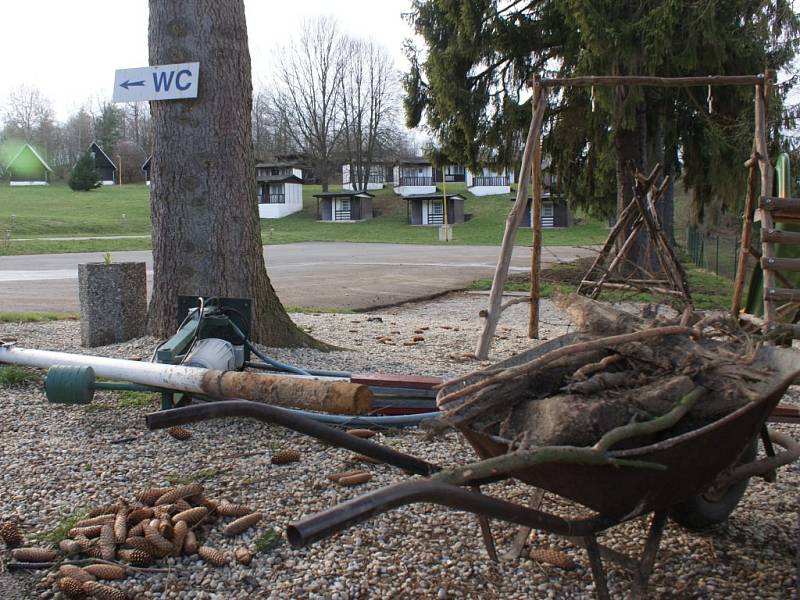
(69, 50)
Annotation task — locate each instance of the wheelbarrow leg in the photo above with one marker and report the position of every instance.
(596, 562)
(523, 533)
(645, 568)
(486, 531)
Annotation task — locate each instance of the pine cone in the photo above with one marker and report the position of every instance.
(141, 543)
(84, 542)
(165, 530)
(182, 491)
(92, 531)
(180, 531)
(191, 516)
(121, 526)
(362, 433)
(211, 555)
(138, 529)
(94, 551)
(190, 543)
(243, 555)
(107, 542)
(179, 433)
(165, 511)
(107, 509)
(109, 572)
(226, 509)
(75, 572)
(151, 534)
(33, 554)
(241, 524)
(98, 520)
(150, 495)
(137, 515)
(182, 505)
(335, 477)
(69, 547)
(135, 557)
(10, 534)
(552, 557)
(285, 456)
(369, 459)
(201, 500)
(103, 592)
(72, 588)
(362, 477)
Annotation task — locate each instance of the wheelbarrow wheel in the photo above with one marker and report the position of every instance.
(714, 505)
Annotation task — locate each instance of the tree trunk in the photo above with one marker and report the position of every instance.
(206, 237)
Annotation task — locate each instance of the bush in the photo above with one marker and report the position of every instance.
(83, 176)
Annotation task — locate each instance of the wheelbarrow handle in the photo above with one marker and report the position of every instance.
(340, 517)
(279, 416)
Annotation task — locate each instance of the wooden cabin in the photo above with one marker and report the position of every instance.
(555, 212)
(27, 167)
(454, 174)
(344, 207)
(146, 169)
(489, 182)
(103, 165)
(414, 176)
(428, 209)
(376, 180)
(279, 188)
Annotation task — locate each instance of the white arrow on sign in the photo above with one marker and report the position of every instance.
(162, 82)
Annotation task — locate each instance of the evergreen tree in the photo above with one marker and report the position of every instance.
(83, 177)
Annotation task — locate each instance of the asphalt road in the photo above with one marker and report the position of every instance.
(318, 274)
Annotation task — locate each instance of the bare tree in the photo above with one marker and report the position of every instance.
(308, 78)
(369, 106)
(206, 237)
(29, 117)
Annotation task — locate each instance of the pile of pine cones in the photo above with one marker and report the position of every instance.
(161, 523)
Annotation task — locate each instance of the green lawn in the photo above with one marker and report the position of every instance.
(56, 211)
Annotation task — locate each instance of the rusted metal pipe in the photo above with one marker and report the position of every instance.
(335, 397)
(329, 522)
(290, 420)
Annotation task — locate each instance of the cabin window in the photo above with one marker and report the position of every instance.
(547, 210)
(437, 208)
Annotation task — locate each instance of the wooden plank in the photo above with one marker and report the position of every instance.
(778, 236)
(781, 295)
(790, 206)
(785, 413)
(781, 264)
(747, 228)
(603, 80)
(643, 289)
(762, 150)
(536, 229)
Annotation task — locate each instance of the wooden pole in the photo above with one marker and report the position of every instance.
(744, 247)
(767, 223)
(536, 226)
(609, 80)
(512, 224)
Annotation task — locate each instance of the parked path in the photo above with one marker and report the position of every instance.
(311, 274)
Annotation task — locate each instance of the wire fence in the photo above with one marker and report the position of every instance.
(717, 253)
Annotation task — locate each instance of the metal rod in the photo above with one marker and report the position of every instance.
(650, 81)
(326, 523)
(290, 420)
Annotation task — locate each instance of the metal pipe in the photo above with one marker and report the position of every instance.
(382, 421)
(291, 420)
(336, 397)
(326, 523)
(319, 372)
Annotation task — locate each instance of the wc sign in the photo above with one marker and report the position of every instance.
(163, 82)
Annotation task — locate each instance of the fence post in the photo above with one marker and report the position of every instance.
(716, 259)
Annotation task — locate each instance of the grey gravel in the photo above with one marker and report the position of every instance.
(57, 460)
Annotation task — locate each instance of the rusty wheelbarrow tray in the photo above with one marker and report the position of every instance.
(700, 464)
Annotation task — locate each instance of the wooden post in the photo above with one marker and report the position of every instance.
(536, 226)
(512, 224)
(767, 223)
(744, 248)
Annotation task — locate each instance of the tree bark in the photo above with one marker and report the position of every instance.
(206, 236)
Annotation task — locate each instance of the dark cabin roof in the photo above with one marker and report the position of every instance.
(95, 147)
(279, 179)
(277, 165)
(433, 196)
(343, 194)
(31, 151)
(545, 196)
(414, 161)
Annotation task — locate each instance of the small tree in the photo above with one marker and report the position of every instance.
(83, 177)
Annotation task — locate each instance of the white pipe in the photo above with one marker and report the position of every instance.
(173, 377)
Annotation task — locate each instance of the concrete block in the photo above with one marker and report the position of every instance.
(113, 301)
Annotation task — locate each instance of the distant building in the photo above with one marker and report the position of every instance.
(414, 176)
(28, 168)
(103, 165)
(555, 212)
(146, 169)
(428, 209)
(342, 207)
(376, 180)
(488, 182)
(454, 174)
(279, 187)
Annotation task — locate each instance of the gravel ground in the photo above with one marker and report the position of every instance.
(56, 461)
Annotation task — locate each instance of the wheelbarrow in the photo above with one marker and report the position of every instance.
(704, 474)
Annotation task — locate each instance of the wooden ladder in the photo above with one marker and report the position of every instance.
(778, 210)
